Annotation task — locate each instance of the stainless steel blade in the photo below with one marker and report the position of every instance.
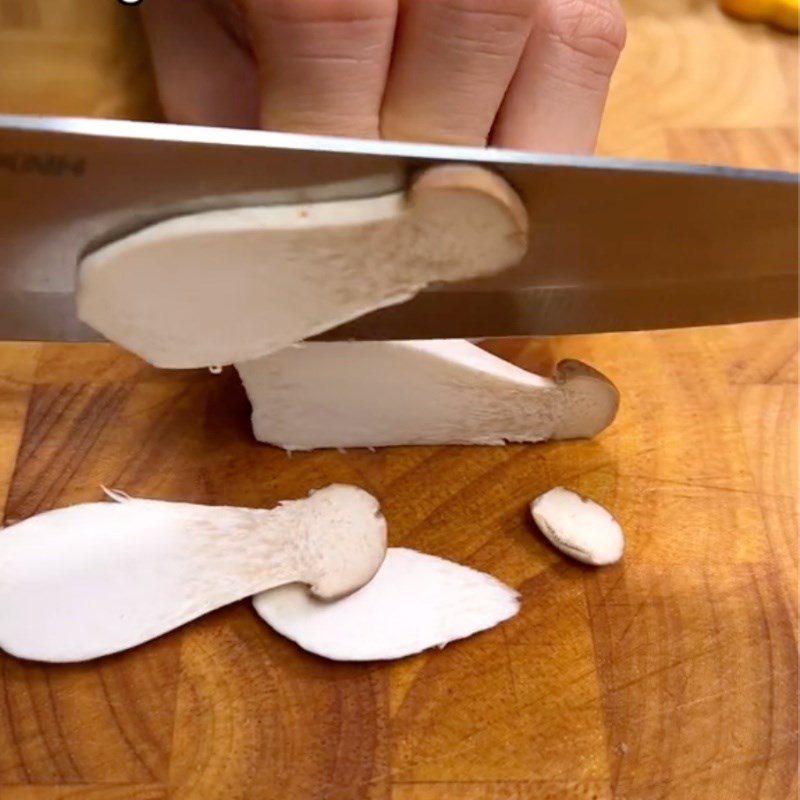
(615, 245)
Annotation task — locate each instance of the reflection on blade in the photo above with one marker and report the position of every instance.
(454, 313)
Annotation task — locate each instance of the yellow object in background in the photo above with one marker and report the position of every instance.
(780, 13)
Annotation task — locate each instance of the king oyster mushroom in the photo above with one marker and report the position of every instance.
(82, 582)
(222, 286)
(369, 394)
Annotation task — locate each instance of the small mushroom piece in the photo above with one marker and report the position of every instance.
(229, 285)
(371, 394)
(93, 579)
(578, 527)
(414, 602)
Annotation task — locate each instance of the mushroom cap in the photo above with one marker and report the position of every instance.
(591, 401)
(345, 539)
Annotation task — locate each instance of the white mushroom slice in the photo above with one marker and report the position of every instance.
(369, 394)
(224, 286)
(82, 582)
(414, 602)
(578, 527)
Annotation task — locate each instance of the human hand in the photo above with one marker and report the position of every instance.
(526, 74)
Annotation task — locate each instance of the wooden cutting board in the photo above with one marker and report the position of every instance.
(672, 675)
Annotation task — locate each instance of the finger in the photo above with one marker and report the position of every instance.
(555, 102)
(322, 63)
(204, 72)
(452, 63)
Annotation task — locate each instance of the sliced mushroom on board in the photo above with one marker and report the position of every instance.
(82, 582)
(414, 602)
(370, 394)
(578, 527)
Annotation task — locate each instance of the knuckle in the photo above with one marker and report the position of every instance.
(592, 29)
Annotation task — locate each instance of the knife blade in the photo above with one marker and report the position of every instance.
(615, 245)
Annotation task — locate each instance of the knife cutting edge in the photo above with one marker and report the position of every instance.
(615, 245)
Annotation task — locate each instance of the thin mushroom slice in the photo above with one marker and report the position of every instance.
(370, 394)
(578, 527)
(223, 286)
(82, 582)
(414, 602)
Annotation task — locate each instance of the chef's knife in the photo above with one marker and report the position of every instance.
(615, 245)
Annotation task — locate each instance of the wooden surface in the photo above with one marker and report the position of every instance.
(673, 675)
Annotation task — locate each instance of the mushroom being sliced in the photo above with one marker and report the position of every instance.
(223, 286)
(414, 602)
(82, 582)
(369, 394)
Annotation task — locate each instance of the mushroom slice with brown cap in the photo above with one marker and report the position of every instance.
(82, 582)
(223, 286)
(414, 602)
(370, 394)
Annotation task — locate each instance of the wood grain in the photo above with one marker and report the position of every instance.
(304, 728)
(693, 673)
(109, 722)
(124, 791)
(17, 367)
(541, 790)
(672, 675)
